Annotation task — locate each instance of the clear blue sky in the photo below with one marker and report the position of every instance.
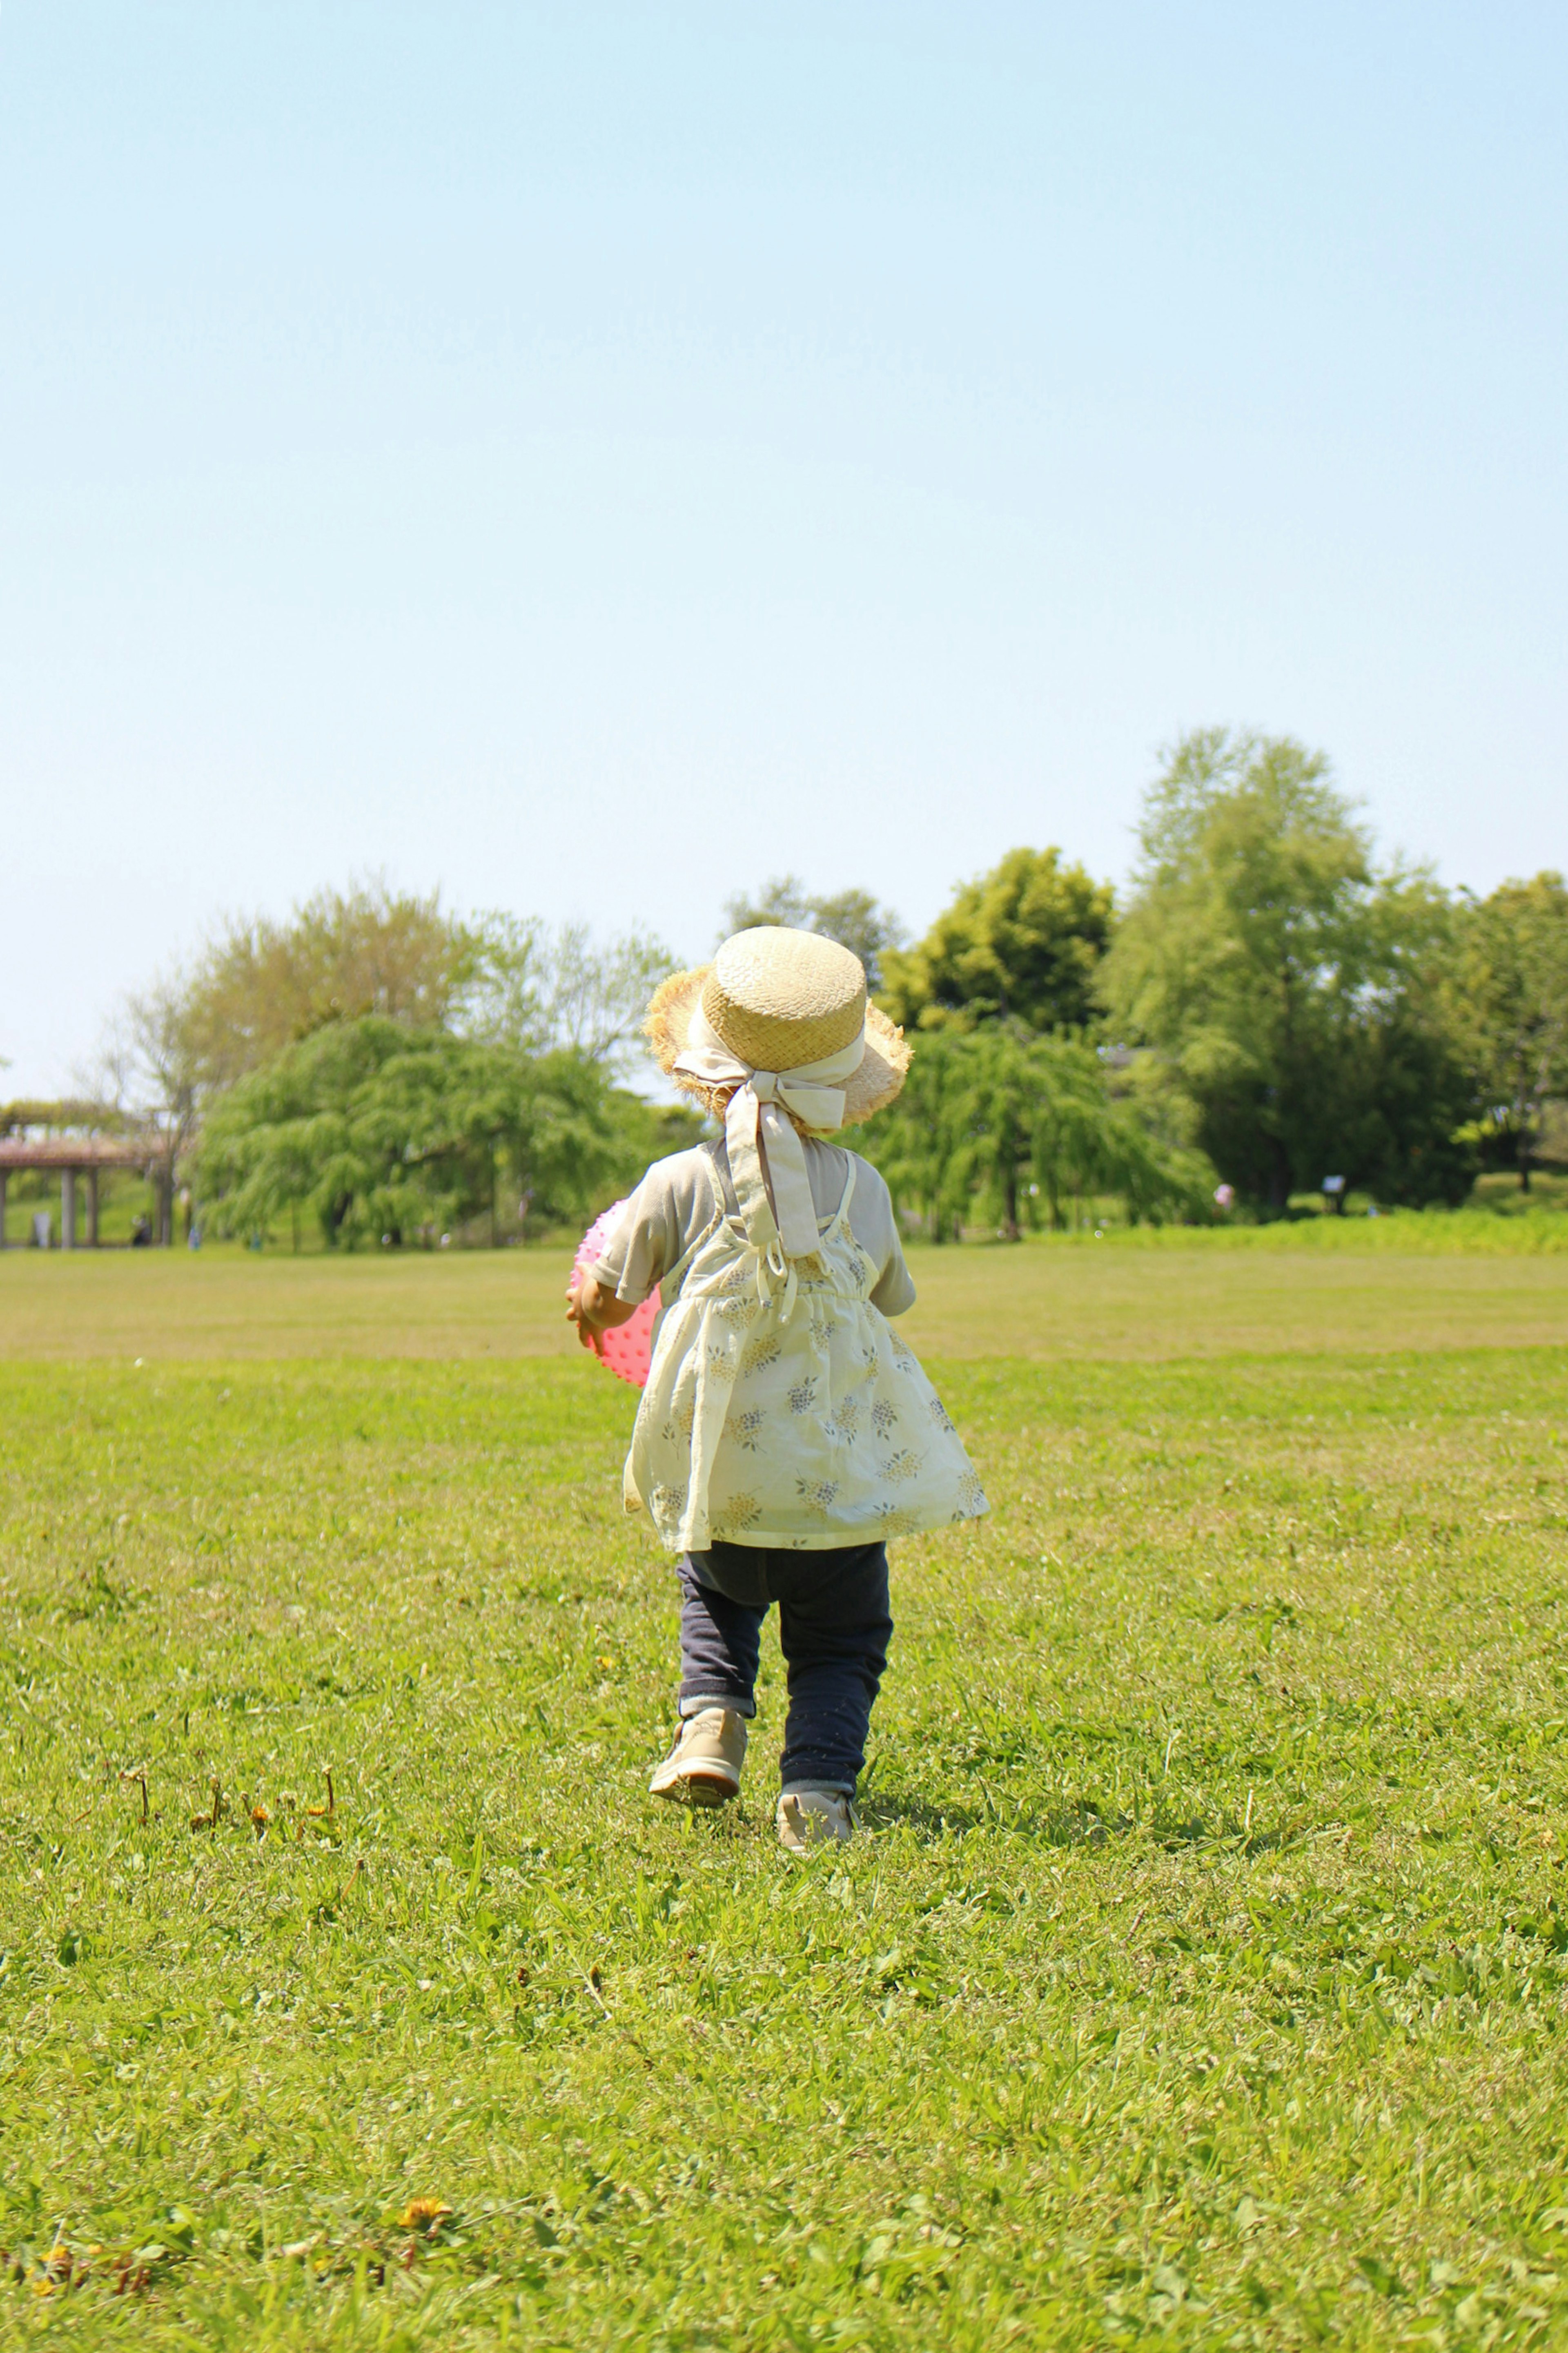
(591, 459)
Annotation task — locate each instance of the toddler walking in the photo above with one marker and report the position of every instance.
(785, 1432)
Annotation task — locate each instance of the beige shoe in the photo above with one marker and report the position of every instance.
(809, 1817)
(703, 1769)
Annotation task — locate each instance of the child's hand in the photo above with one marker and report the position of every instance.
(593, 1309)
(582, 1298)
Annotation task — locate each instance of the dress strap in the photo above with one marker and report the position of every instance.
(671, 1282)
(842, 1212)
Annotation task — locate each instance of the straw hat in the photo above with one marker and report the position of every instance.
(780, 999)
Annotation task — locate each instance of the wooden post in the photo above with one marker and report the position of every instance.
(92, 1208)
(67, 1208)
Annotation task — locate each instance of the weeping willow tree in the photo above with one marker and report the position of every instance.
(1013, 1125)
(384, 1132)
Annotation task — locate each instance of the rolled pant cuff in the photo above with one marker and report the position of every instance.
(737, 1703)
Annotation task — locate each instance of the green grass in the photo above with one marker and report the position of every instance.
(1329, 1285)
(121, 1198)
(1201, 1982)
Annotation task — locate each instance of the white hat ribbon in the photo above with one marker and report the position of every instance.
(761, 1139)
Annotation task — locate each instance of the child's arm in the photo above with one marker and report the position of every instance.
(877, 1231)
(647, 1237)
(593, 1309)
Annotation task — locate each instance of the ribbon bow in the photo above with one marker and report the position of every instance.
(763, 1147)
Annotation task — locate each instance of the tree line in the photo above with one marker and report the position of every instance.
(381, 1071)
(1267, 1006)
(1270, 1006)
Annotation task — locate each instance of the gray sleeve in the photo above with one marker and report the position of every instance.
(877, 1231)
(646, 1240)
(894, 1292)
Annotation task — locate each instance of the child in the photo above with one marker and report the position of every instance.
(784, 1432)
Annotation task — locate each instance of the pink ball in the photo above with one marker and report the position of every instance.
(628, 1349)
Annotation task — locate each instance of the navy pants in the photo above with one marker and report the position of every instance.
(834, 1632)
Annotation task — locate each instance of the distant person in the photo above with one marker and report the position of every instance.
(784, 1432)
(140, 1234)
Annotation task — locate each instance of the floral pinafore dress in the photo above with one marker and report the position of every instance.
(781, 1408)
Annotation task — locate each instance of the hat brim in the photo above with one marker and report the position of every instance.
(868, 1089)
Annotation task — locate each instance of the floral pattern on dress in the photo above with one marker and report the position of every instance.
(734, 1514)
(842, 1426)
(807, 1431)
(686, 1416)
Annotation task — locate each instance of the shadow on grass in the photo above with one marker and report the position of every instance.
(1062, 1826)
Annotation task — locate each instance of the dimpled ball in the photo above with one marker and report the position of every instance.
(628, 1349)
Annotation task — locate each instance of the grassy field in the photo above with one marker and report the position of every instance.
(1324, 1287)
(1201, 1980)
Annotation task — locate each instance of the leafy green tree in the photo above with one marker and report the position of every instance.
(545, 991)
(1021, 944)
(260, 985)
(923, 1144)
(853, 918)
(999, 1117)
(1292, 988)
(1511, 1004)
(379, 1129)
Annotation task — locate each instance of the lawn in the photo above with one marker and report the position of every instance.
(1418, 1282)
(1200, 1981)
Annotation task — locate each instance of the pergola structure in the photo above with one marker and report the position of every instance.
(74, 1157)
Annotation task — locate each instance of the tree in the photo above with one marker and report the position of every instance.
(1006, 1118)
(151, 1070)
(1021, 944)
(1511, 1001)
(541, 991)
(260, 985)
(381, 1130)
(1291, 987)
(923, 1143)
(853, 918)
(261, 990)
